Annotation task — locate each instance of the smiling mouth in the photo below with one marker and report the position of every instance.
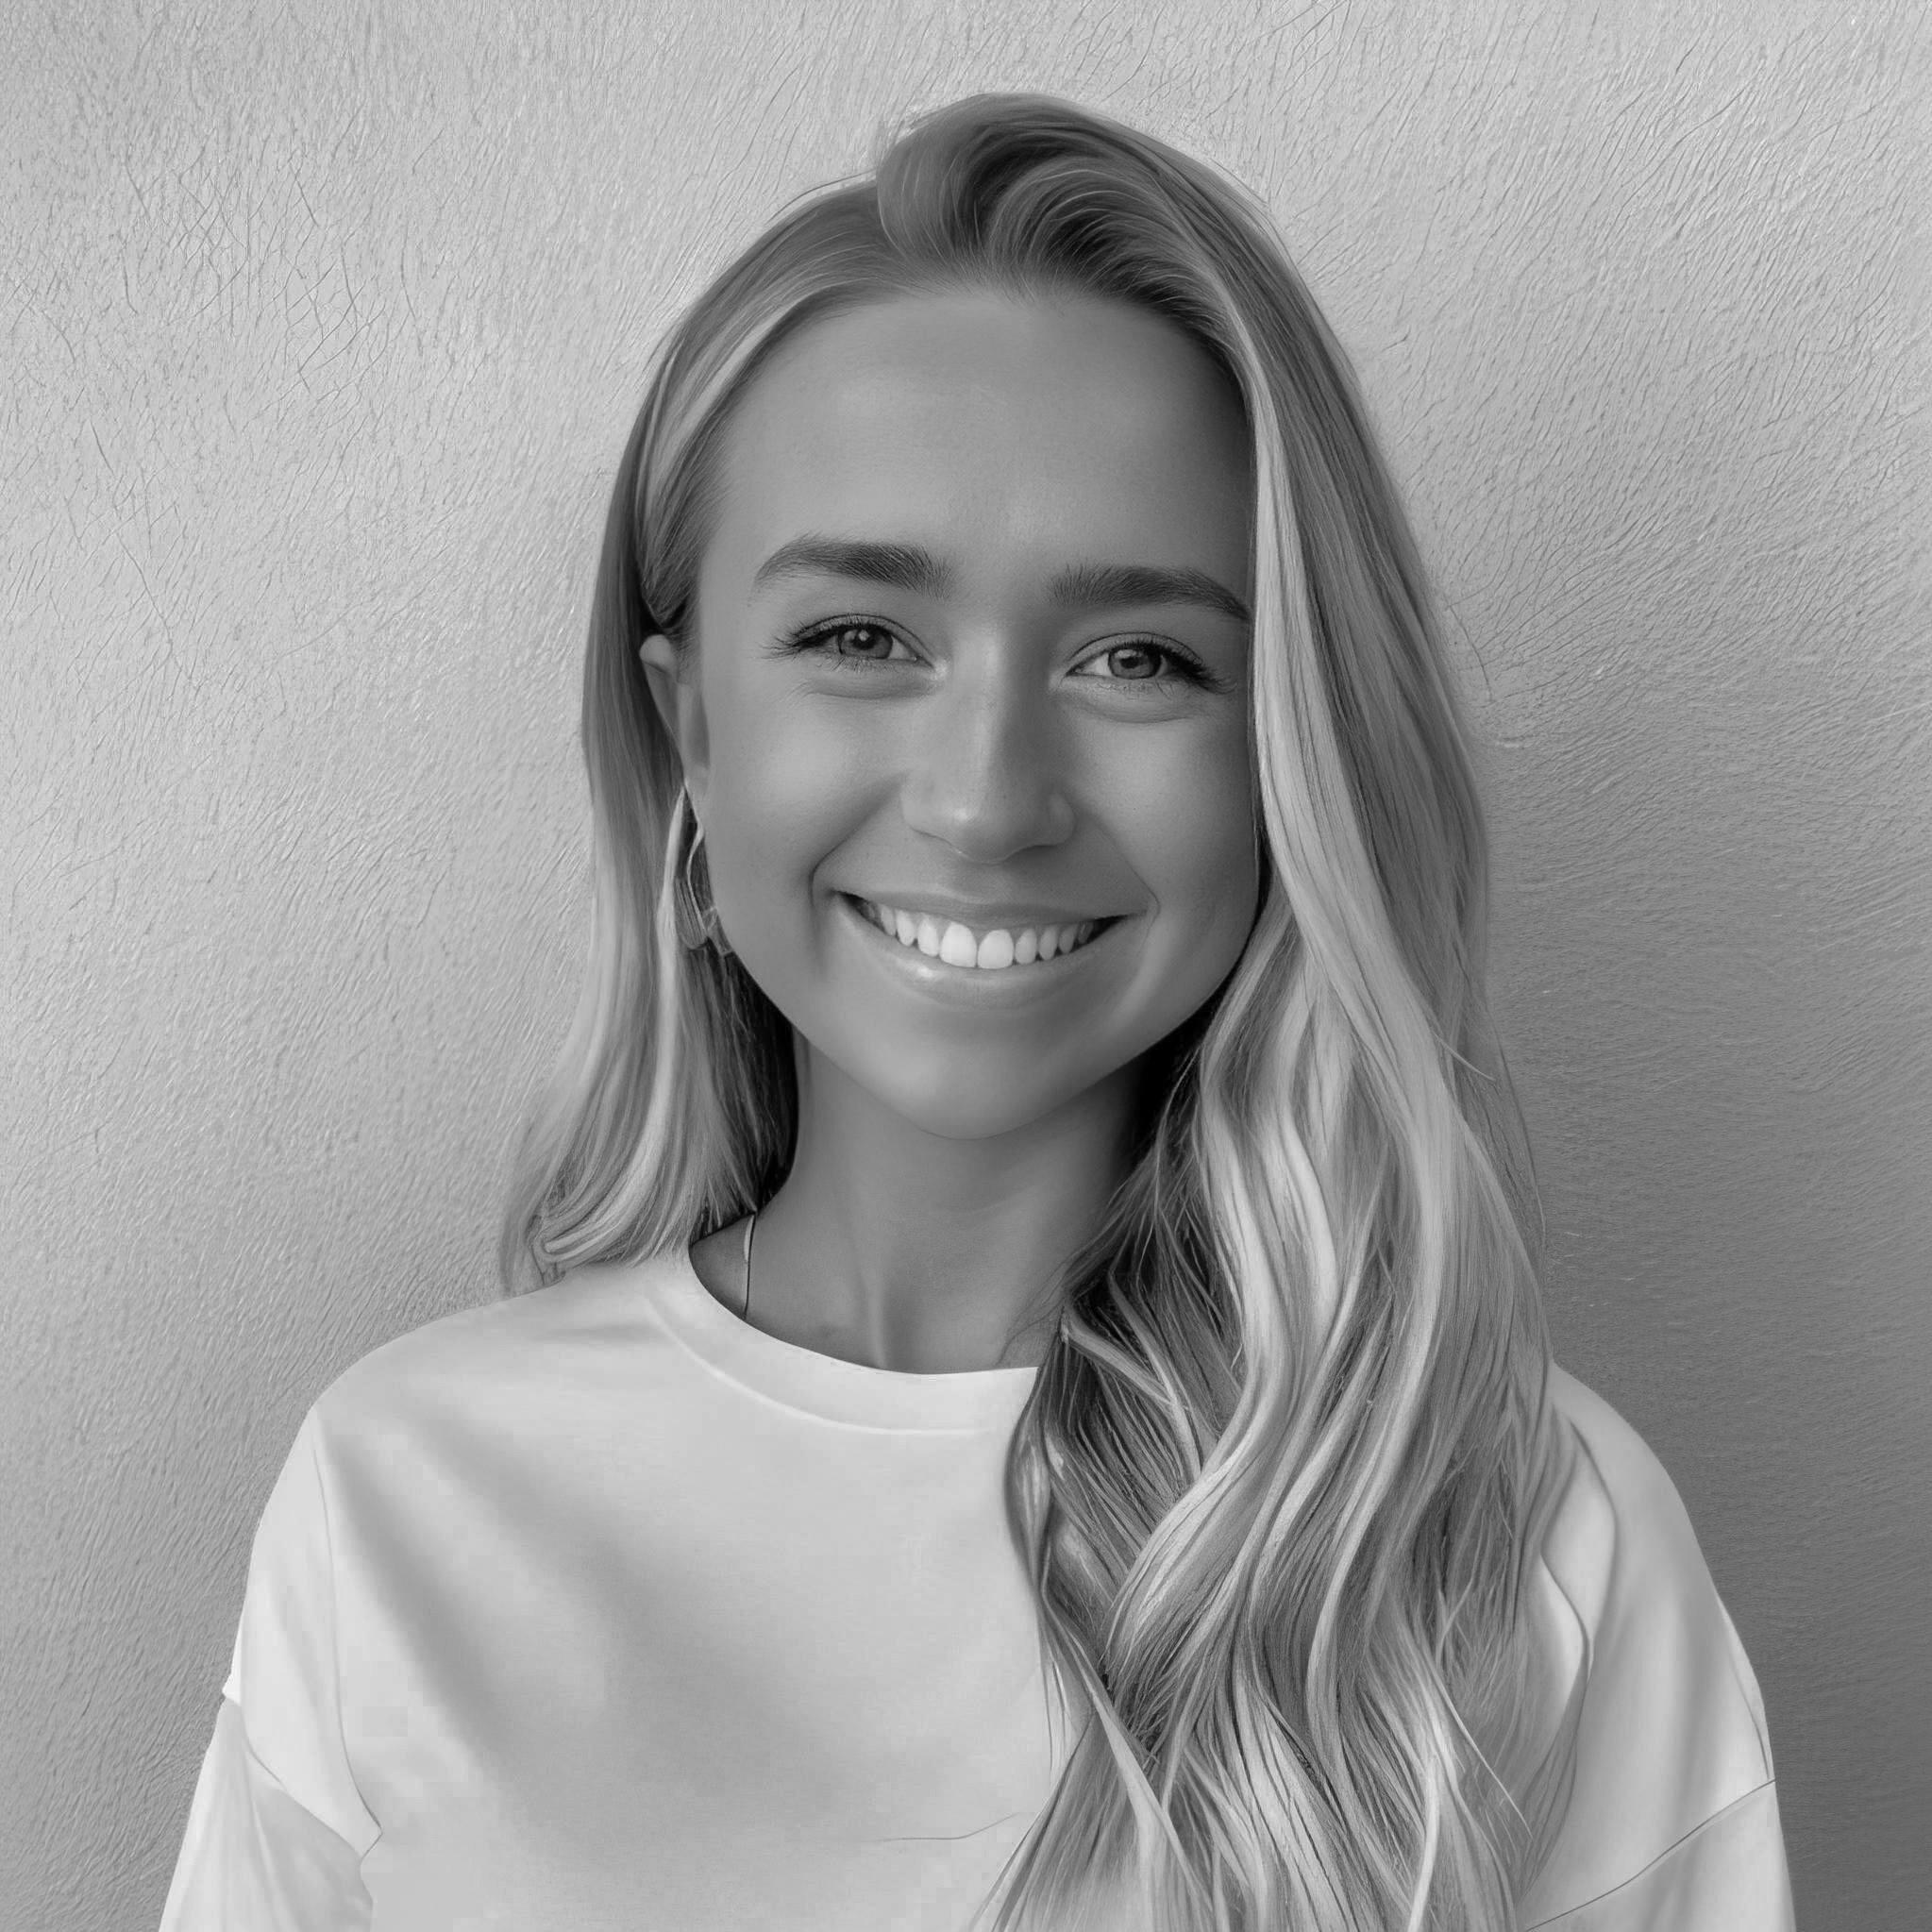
(994, 951)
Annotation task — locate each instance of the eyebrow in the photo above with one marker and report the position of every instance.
(1079, 586)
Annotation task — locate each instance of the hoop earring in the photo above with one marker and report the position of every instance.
(699, 924)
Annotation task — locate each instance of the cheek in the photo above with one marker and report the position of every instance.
(1195, 841)
(780, 801)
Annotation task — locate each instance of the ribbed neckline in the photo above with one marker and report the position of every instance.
(822, 1385)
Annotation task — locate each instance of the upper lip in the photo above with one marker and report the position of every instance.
(986, 916)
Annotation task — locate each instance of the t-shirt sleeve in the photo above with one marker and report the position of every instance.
(277, 1830)
(1669, 1818)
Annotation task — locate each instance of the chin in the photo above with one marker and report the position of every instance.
(978, 1111)
(976, 1097)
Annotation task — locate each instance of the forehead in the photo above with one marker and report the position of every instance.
(1005, 433)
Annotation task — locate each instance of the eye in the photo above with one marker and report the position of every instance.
(1141, 661)
(851, 640)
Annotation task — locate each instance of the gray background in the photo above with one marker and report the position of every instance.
(321, 339)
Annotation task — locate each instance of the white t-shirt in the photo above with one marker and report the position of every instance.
(600, 1608)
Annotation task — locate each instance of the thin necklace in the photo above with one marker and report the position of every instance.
(745, 1312)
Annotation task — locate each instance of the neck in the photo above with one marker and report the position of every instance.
(901, 1249)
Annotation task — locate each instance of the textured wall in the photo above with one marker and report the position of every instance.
(320, 344)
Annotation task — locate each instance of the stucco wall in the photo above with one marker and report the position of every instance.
(319, 341)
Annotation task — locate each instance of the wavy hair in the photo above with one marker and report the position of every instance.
(1286, 1464)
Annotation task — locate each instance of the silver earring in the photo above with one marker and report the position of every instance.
(699, 924)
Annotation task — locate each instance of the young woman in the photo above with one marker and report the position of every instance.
(1036, 1412)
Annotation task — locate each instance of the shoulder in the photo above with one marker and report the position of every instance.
(1620, 1548)
(1620, 1539)
(504, 1354)
(474, 1362)
(372, 1480)
(1664, 1726)
(457, 1405)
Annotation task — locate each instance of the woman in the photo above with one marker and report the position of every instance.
(1038, 1412)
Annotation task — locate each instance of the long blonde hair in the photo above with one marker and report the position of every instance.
(1282, 1474)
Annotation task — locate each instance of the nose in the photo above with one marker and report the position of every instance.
(986, 775)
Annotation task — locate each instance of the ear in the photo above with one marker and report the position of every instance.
(672, 680)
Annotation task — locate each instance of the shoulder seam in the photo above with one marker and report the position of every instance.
(1703, 1825)
(311, 1427)
(266, 1773)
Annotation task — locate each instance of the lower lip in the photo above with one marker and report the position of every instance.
(977, 985)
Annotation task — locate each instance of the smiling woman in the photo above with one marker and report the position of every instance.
(969, 642)
(1034, 1409)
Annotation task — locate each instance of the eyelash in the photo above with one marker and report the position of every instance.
(1190, 669)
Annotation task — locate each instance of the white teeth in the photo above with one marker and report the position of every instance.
(955, 945)
(996, 951)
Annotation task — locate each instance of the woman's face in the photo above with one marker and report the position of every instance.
(972, 662)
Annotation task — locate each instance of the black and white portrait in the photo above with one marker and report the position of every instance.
(966, 968)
